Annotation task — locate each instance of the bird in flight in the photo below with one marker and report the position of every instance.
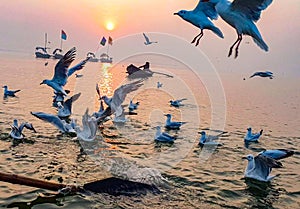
(201, 17)
(241, 14)
(147, 40)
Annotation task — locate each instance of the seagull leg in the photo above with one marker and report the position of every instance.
(193, 41)
(197, 43)
(237, 46)
(231, 48)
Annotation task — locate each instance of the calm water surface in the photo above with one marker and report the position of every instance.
(193, 182)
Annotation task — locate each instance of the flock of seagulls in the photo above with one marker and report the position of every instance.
(240, 14)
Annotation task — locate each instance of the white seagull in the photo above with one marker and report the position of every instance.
(263, 74)
(65, 109)
(16, 130)
(62, 71)
(201, 17)
(208, 140)
(147, 40)
(172, 124)
(250, 137)
(133, 106)
(177, 103)
(119, 96)
(61, 124)
(163, 137)
(159, 84)
(241, 14)
(10, 93)
(89, 130)
(260, 167)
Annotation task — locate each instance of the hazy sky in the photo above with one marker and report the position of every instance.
(24, 22)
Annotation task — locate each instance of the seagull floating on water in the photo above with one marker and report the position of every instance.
(61, 124)
(10, 93)
(200, 17)
(119, 96)
(250, 137)
(133, 106)
(177, 103)
(65, 109)
(159, 84)
(263, 74)
(260, 166)
(172, 124)
(62, 71)
(241, 14)
(147, 40)
(208, 140)
(16, 130)
(163, 137)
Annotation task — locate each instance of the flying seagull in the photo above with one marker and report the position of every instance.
(89, 127)
(147, 40)
(260, 166)
(250, 137)
(10, 93)
(133, 106)
(241, 14)
(61, 124)
(65, 109)
(119, 96)
(16, 130)
(263, 74)
(172, 124)
(62, 71)
(201, 17)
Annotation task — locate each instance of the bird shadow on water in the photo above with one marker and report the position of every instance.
(261, 194)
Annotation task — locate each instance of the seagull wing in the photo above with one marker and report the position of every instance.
(61, 68)
(146, 37)
(277, 154)
(207, 8)
(121, 92)
(264, 165)
(68, 103)
(180, 100)
(255, 74)
(53, 119)
(26, 125)
(77, 67)
(250, 9)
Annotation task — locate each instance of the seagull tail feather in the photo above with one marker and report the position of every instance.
(260, 42)
(217, 31)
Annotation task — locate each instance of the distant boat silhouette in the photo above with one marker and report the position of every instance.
(41, 52)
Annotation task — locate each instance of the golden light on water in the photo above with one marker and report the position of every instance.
(110, 25)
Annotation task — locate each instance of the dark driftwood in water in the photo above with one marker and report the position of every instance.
(113, 186)
(16, 179)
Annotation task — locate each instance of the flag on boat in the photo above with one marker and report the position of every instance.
(103, 41)
(63, 35)
(110, 40)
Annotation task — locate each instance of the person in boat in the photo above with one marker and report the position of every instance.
(146, 66)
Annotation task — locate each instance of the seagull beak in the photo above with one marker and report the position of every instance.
(41, 83)
(175, 13)
(244, 158)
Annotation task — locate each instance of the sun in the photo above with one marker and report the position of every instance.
(110, 26)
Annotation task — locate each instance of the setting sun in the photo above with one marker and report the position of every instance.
(110, 26)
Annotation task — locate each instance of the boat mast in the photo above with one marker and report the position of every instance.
(45, 41)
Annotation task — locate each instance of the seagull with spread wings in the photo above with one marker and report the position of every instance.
(62, 71)
(147, 40)
(241, 15)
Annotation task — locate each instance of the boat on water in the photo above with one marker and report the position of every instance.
(57, 53)
(105, 58)
(92, 57)
(136, 72)
(41, 51)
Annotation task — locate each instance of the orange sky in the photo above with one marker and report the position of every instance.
(23, 24)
